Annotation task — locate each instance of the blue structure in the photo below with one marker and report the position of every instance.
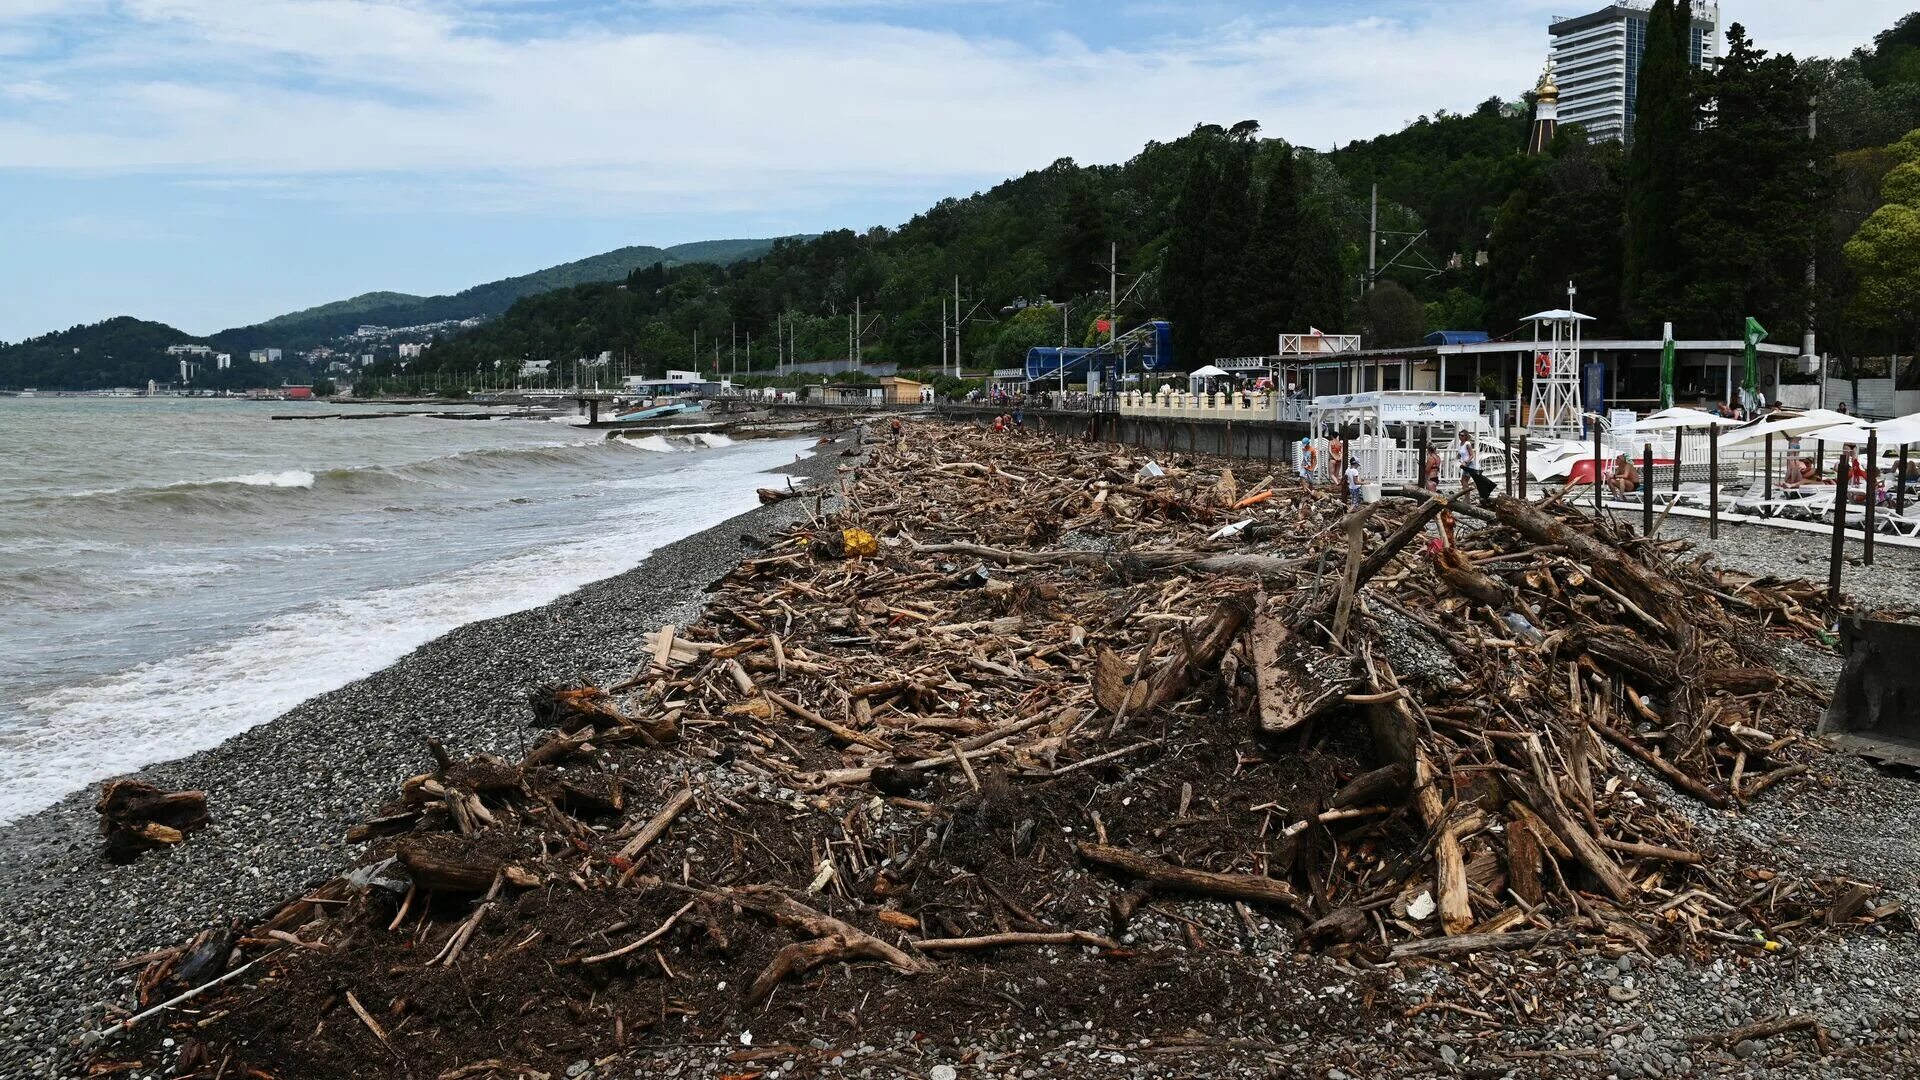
(1144, 348)
(1456, 337)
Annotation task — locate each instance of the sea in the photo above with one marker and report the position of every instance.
(174, 571)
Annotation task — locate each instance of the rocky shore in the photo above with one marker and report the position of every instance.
(284, 794)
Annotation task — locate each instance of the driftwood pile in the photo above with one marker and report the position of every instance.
(1014, 730)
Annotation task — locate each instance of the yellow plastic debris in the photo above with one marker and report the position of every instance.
(859, 542)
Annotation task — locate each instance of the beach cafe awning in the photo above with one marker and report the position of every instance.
(1208, 372)
(1557, 315)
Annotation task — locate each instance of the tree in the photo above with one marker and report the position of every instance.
(1185, 266)
(1752, 197)
(1225, 225)
(1564, 223)
(1038, 325)
(1264, 279)
(1083, 243)
(1663, 130)
(324, 388)
(1884, 253)
(1390, 318)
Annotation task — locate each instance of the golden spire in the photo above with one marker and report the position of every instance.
(1548, 90)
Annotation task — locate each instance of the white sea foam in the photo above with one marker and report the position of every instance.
(290, 478)
(167, 708)
(657, 444)
(712, 439)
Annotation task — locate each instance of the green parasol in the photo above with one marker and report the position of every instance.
(1755, 335)
(1666, 369)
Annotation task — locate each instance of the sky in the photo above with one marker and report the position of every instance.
(212, 163)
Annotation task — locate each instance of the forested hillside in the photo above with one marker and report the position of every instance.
(126, 351)
(1712, 216)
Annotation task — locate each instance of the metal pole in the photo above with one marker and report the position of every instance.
(1713, 482)
(1373, 241)
(1873, 489)
(1839, 543)
(1520, 470)
(956, 325)
(1900, 483)
(1506, 446)
(1769, 467)
(1646, 490)
(1679, 440)
(1596, 467)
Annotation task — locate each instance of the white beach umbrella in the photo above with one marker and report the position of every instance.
(1899, 430)
(1840, 433)
(1811, 420)
(1682, 417)
(1208, 372)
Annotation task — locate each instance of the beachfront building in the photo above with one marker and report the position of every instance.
(1596, 62)
(1614, 373)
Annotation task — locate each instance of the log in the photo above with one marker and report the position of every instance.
(836, 939)
(1665, 768)
(1249, 887)
(440, 872)
(1523, 861)
(1428, 948)
(137, 817)
(1255, 566)
(1386, 784)
(995, 941)
(655, 826)
(1211, 640)
(1296, 681)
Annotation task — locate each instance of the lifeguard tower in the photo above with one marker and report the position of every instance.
(1553, 405)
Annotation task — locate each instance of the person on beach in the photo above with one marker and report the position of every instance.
(1309, 459)
(1625, 479)
(1353, 482)
(1469, 460)
(1432, 469)
(1000, 423)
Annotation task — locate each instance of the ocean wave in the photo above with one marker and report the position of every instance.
(261, 492)
(69, 736)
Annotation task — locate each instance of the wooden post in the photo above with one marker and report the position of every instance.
(1520, 471)
(1646, 490)
(1839, 544)
(1679, 441)
(1819, 456)
(1506, 447)
(1900, 483)
(1713, 482)
(1420, 469)
(1873, 490)
(1596, 466)
(1769, 467)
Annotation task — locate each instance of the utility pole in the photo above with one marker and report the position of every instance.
(733, 352)
(1807, 343)
(859, 333)
(943, 335)
(749, 352)
(1113, 304)
(1061, 367)
(956, 325)
(1373, 241)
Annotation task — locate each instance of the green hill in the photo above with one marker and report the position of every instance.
(301, 329)
(126, 351)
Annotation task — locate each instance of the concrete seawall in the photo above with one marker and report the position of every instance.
(1259, 440)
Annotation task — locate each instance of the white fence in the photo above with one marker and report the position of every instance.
(1877, 398)
(1170, 403)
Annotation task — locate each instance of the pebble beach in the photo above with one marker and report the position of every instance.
(283, 794)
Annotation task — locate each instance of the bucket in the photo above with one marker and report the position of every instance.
(1370, 491)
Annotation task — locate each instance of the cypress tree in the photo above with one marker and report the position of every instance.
(1185, 266)
(1229, 217)
(1264, 285)
(1663, 128)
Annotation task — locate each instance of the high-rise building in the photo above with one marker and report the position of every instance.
(1597, 61)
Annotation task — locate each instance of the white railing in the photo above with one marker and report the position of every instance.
(1170, 403)
(1379, 459)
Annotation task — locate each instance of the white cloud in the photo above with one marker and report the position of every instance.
(766, 109)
